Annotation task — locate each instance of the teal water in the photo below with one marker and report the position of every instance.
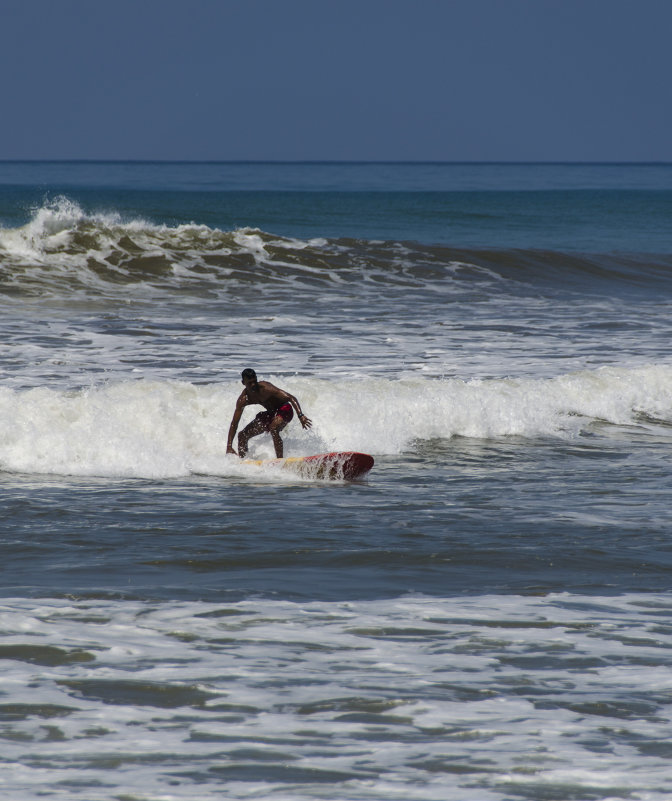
(597, 208)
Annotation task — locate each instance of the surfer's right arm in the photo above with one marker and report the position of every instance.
(241, 403)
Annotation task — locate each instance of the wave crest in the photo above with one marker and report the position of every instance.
(65, 251)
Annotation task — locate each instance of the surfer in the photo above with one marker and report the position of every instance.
(279, 412)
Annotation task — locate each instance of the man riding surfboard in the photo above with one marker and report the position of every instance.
(278, 405)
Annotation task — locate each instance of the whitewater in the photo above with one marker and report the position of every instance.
(153, 429)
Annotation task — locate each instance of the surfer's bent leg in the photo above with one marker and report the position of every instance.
(253, 429)
(276, 426)
(273, 422)
(277, 443)
(282, 416)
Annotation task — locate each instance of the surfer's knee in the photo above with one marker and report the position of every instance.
(277, 424)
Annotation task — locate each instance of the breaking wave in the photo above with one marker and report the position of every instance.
(159, 429)
(64, 251)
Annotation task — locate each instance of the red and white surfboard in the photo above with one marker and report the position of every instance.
(339, 466)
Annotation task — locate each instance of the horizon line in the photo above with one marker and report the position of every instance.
(332, 161)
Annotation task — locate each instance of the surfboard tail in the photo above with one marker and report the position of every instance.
(335, 466)
(346, 466)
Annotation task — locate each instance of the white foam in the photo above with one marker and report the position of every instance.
(387, 416)
(418, 698)
(158, 429)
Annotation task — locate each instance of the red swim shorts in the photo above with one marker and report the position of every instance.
(266, 418)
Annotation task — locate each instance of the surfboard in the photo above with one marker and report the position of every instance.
(343, 466)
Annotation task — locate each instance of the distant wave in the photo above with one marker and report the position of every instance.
(64, 251)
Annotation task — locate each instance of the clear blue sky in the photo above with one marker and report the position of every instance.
(455, 80)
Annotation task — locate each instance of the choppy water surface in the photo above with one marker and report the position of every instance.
(487, 697)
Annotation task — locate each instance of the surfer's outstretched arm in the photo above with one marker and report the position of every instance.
(305, 421)
(286, 396)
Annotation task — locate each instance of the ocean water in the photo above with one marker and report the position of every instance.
(486, 616)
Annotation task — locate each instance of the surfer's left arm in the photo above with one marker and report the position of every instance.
(286, 396)
(305, 421)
